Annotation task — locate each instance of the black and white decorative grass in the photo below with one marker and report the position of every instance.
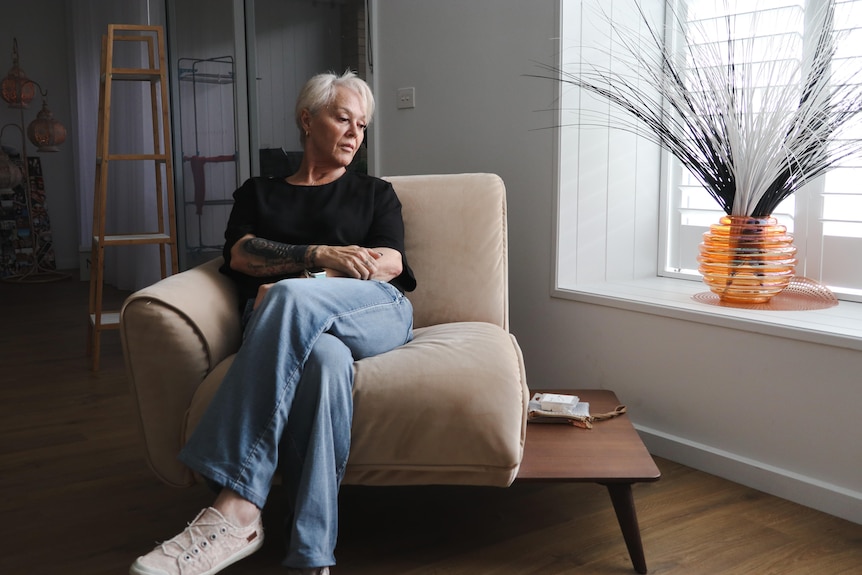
(747, 133)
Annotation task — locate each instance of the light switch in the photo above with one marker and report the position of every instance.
(406, 98)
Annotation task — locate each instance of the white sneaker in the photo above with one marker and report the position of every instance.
(209, 544)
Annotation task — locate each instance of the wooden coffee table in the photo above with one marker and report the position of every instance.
(611, 453)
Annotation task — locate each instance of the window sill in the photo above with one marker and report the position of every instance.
(838, 326)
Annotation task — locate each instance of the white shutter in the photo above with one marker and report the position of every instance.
(835, 251)
(608, 199)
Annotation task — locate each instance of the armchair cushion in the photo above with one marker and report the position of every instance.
(431, 411)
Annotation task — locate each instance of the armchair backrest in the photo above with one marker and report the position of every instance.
(456, 243)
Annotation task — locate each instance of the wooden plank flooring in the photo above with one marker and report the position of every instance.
(78, 498)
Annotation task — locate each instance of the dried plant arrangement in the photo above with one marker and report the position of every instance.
(752, 130)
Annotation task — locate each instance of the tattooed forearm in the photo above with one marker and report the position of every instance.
(311, 257)
(276, 252)
(271, 258)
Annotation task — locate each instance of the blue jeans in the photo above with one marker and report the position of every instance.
(286, 403)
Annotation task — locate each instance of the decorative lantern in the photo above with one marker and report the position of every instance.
(45, 132)
(16, 88)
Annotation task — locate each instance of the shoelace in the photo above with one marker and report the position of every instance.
(198, 541)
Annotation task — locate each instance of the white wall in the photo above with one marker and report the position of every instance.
(773, 413)
(42, 52)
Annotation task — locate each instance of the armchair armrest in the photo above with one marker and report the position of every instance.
(173, 334)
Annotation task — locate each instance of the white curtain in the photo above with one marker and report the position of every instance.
(131, 198)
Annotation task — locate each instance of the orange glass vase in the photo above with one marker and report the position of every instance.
(747, 260)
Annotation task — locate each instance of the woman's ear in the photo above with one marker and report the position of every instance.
(305, 120)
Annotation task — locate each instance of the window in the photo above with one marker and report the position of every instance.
(627, 211)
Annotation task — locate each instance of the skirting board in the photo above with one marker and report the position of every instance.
(783, 483)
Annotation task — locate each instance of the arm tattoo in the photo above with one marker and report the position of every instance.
(275, 257)
(311, 256)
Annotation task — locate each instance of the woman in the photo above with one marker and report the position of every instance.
(286, 402)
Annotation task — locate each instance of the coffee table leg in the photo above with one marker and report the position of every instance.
(624, 505)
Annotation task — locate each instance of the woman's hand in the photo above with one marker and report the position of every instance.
(381, 264)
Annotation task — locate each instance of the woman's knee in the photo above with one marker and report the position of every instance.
(329, 355)
(284, 290)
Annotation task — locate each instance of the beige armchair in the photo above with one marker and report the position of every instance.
(447, 408)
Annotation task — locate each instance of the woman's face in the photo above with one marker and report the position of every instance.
(337, 130)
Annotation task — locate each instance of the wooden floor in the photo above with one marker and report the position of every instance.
(76, 497)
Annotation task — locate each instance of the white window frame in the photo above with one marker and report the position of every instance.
(607, 223)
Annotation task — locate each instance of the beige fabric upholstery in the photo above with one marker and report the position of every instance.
(447, 408)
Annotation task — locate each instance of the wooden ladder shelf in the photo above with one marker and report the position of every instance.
(149, 40)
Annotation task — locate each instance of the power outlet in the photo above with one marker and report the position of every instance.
(406, 98)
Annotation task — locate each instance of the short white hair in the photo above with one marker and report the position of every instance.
(319, 92)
